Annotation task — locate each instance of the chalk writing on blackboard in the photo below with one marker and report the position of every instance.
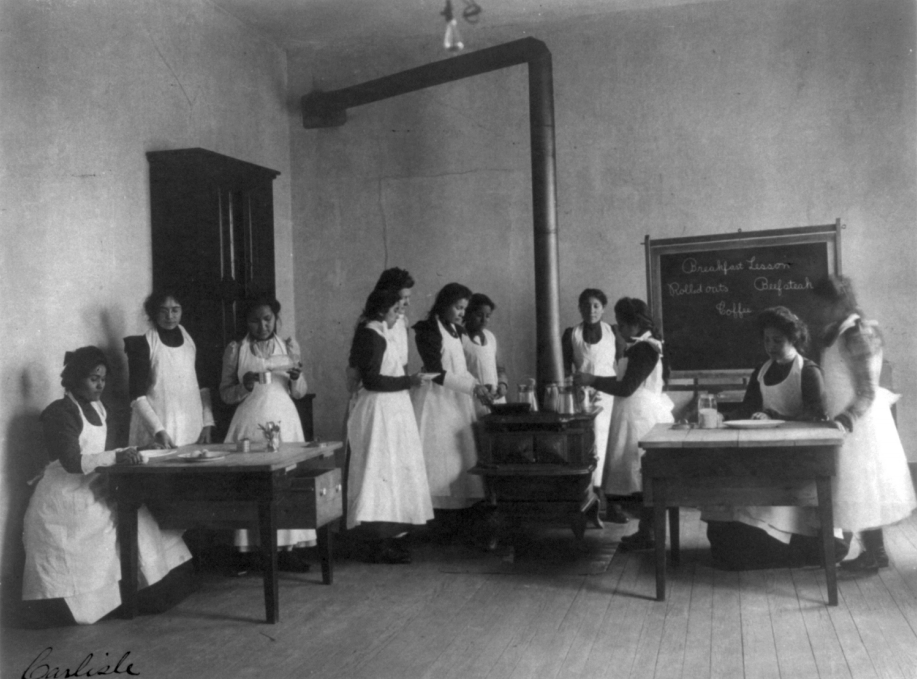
(707, 291)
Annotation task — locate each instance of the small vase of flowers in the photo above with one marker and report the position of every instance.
(271, 432)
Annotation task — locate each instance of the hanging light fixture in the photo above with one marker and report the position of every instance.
(453, 39)
(471, 13)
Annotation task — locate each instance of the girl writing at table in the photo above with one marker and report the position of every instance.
(387, 480)
(640, 404)
(72, 562)
(262, 373)
(481, 351)
(787, 386)
(873, 486)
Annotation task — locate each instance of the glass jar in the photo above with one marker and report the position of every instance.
(707, 414)
(552, 397)
(526, 394)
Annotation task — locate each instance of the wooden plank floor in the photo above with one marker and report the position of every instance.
(448, 616)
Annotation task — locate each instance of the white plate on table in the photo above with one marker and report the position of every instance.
(754, 424)
(190, 456)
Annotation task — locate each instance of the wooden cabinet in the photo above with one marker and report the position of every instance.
(213, 242)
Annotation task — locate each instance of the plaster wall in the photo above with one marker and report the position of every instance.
(86, 89)
(678, 121)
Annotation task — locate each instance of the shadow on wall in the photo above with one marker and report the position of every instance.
(25, 456)
(23, 461)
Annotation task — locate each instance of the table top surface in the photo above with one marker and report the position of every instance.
(788, 434)
(171, 462)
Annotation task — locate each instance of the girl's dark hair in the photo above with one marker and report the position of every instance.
(786, 322)
(592, 292)
(447, 296)
(78, 364)
(394, 279)
(837, 290)
(155, 300)
(479, 299)
(635, 311)
(378, 303)
(262, 300)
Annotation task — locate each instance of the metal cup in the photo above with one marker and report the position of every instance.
(264, 378)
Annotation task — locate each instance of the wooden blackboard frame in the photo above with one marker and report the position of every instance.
(830, 234)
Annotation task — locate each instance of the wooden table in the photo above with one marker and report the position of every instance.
(295, 487)
(790, 465)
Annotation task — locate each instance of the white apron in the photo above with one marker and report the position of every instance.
(399, 337)
(70, 538)
(779, 522)
(174, 393)
(873, 486)
(266, 403)
(482, 363)
(631, 420)
(387, 478)
(597, 359)
(444, 418)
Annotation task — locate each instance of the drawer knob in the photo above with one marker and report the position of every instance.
(324, 491)
(338, 488)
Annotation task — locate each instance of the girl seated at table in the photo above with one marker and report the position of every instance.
(786, 387)
(481, 351)
(387, 489)
(641, 404)
(73, 564)
(262, 373)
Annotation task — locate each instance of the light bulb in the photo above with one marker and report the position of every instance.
(453, 39)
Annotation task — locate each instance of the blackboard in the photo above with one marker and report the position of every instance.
(706, 291)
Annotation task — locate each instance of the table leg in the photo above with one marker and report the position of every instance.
(127, 539)
(826, 517)
(324, 552)
(268, 534)
(675, 536)
(659, 500)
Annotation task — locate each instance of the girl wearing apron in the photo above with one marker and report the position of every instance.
(873, 486)
(168, 407)
(590, 347)
(640, 404)
(786, 387)
(387, 479)
(69, 531)
(481, 352)
(445, 408)
(263, 374)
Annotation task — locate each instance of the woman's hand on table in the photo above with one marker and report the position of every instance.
(760, 416)
(249, 379)
(128, 456)
(163, 440)
(583, 380)
(206, 435)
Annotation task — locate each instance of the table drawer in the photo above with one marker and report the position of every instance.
(314, 497)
